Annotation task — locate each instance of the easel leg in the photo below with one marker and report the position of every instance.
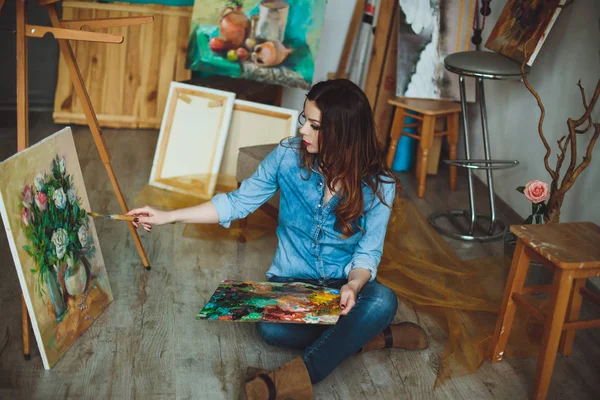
(22, 129)
(90, 116)
(25, 326)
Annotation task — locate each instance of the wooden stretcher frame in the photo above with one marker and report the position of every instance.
(203, 183)
(254, 135)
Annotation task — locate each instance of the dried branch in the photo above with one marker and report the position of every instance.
(573, 124)
(590, 122)
(569, 180)
(542, 114)
(563, 151)
(588, 109)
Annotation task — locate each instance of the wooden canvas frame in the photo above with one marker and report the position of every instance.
(243, 132)
(203, 182)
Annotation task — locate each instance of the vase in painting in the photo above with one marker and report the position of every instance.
(56, 295)
(76, 277)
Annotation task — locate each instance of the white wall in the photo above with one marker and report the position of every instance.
(570, 52)
(333, 34)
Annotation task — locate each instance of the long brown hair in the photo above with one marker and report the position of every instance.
(349, 151)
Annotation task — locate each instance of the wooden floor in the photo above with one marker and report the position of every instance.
(148, 345)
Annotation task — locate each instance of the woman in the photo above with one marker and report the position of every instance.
(336, 199)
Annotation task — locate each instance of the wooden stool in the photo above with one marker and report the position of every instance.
(427, 113)
(572, 252)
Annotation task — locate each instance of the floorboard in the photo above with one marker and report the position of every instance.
(147, 344)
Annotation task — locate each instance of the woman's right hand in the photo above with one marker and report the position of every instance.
(148, 216)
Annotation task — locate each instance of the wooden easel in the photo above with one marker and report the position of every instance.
(64, 31)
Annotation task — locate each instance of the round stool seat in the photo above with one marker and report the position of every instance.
(483, 64)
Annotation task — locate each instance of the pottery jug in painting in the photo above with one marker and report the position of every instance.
(56, 295)
(273, 16)
(76, 277)
(234, 26)
(270, 54)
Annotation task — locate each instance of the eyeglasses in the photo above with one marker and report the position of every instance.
(302, 118)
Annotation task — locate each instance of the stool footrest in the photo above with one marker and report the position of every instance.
(537, 289)
(594, 323)
(483, 164)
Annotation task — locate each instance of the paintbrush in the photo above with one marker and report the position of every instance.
(119, 217)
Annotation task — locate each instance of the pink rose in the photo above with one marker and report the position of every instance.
(41, 200)
(25, 216)
(536, 191)
(26, 196)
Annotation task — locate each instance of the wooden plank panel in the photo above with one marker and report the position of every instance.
(112, 94)
(126, 80)
(64, 96)
(181, 73)
(383, 111)
(151, 37)
(131, 91)
(169, 38)
(82, 56)
(387, 9)
(97, 71)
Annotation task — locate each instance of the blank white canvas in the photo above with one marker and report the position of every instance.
(197, 136)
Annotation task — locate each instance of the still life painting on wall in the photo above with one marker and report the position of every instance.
(273, 41)
(428, 32)
(273, 302)
(53, 242)
(523, 23)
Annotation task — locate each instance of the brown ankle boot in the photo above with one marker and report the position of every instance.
(252, 373)
(406, 335)
(290, 381)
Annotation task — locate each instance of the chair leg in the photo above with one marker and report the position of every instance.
(568, 337)
(453, 133)
(514, 284)
(557, 310)
(426, 142)
(395, 134)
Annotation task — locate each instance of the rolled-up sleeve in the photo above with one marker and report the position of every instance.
(253, 192)
(369, 248)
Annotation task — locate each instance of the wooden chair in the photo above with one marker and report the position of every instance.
(427, 111)
(572, 252)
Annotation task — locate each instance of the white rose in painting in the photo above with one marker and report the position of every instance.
(60, 199)
(60, 239)
(71, 196)
(84, 237)
(61, 166)
(39, 181)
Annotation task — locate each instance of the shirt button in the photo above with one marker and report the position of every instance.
(318, 205)
(320, 183)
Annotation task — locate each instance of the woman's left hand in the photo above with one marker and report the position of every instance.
(348, 295)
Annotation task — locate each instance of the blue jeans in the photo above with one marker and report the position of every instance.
(326, 347)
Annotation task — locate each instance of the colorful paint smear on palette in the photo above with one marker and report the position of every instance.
(273, 302)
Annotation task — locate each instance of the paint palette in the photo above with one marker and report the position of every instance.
(294, 302)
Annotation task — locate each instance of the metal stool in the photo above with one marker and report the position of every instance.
(480, 65)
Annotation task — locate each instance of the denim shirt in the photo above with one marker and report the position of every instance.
(309, 246)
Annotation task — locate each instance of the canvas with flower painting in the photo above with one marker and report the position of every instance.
(53, 242)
